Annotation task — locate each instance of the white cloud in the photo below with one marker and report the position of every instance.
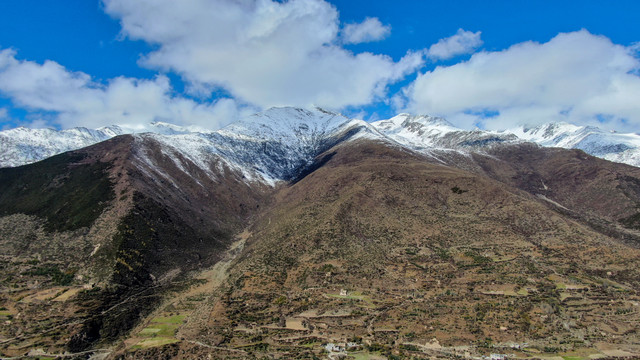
(463, 42)
(264, 52)
(576, 77)
(4, 113)
(77, 100)
(371, 29)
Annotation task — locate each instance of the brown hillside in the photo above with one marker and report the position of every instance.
(124, 247)
(382, 248)
(93, 238)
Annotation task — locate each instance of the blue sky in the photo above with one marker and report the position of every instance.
(491, 64)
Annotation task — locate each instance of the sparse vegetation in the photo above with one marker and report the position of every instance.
(57, 277)
(457, 190)
(374, 247)
(68, 196)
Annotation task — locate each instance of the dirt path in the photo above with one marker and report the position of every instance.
(188, 303)
(216, 275)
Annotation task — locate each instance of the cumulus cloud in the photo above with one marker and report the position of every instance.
(463, 42)
(576, 77)
(371, 29)
(264, 52)
(76, 100)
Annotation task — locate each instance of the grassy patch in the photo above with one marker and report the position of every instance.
(163, 326)
(564, 296)
(147, 343)
(558, 282)
(523, 292)
(176, 319)
(159, 330)
(150, 331)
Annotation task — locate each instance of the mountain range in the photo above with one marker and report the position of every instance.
(301, 234)
(22, 146)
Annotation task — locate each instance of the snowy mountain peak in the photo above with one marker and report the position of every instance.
(547, 132)
(426, 120)
(274, 145)
(22, 145)
(415, 131)
(165, 128)
(113, 130)
(414, 123)
(287, 124)
(624, 148)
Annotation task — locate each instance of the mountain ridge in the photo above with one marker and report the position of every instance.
(302, 132)
(613, 146)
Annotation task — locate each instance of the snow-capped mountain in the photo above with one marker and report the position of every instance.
(425, 133)
(623, 148)
(22, 145)
(270, 146)
(278, 143)
(164, 128)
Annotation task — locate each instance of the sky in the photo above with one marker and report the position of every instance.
(487, 64)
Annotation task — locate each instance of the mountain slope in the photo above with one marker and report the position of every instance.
(385, 249)
(605, 192)
(101, 219)
(129, 218)
(298, 229)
